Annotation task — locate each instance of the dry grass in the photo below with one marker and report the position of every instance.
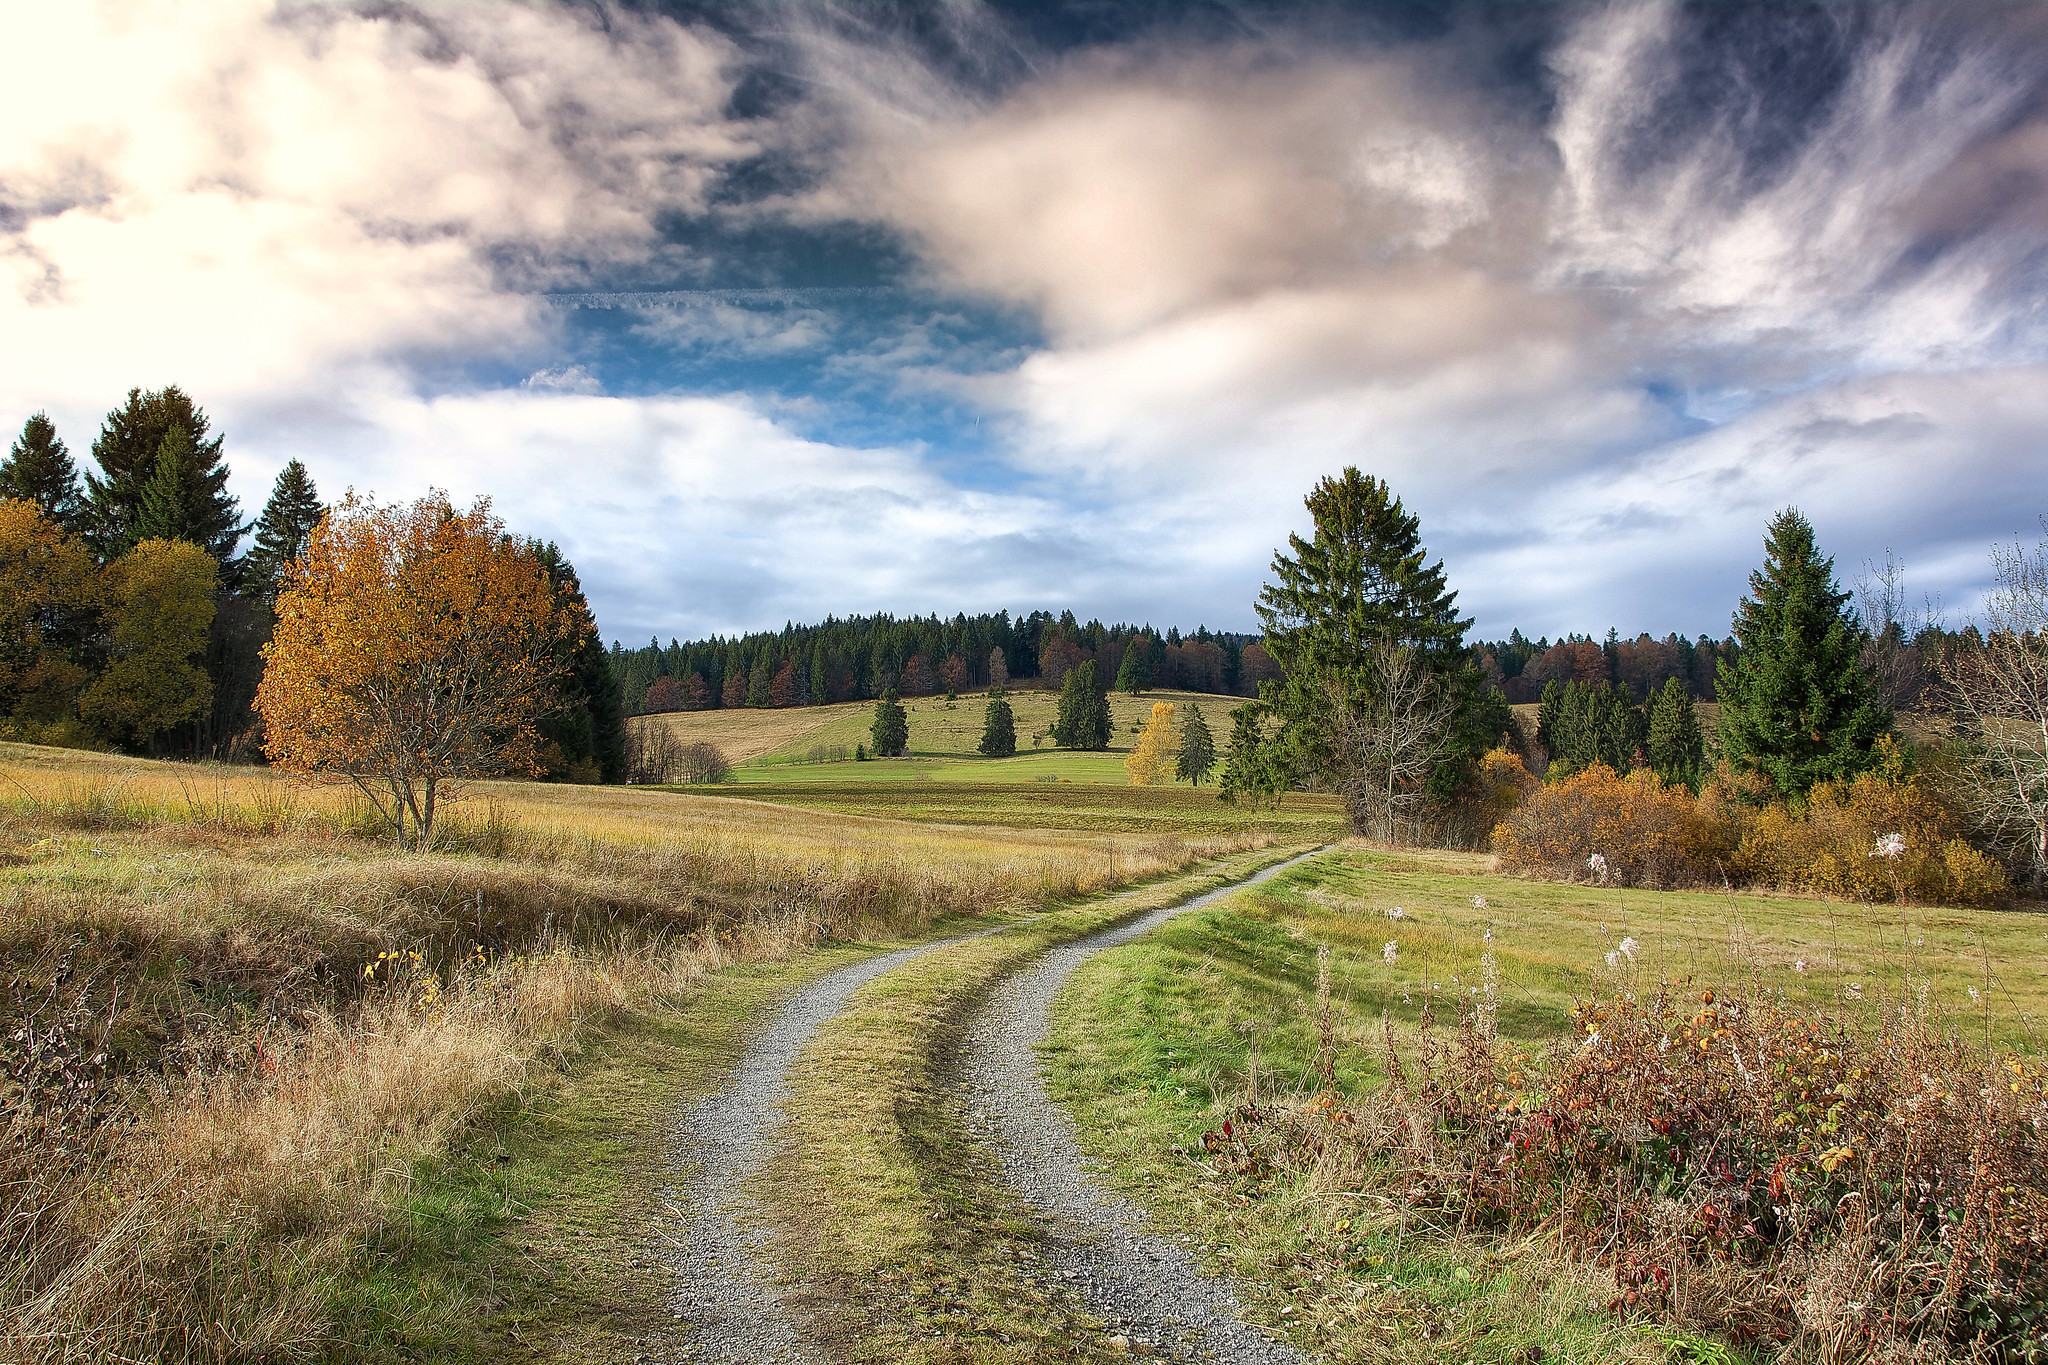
(237, 1022)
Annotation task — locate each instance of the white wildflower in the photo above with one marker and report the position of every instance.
(1395, 913)
(1613, 961)
(1974, 994)
(1800, 966)
(1598, 863)
(1664, 1044)
(1629, 948)
(1479, 902)
(1854, 990)
(1389, 952)
(1890, 846)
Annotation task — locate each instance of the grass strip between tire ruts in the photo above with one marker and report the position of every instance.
(897, 1224)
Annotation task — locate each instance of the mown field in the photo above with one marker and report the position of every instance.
(1164, 811)
(776, 745)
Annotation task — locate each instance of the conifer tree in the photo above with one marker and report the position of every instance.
(890, 727)
(1797, 706)
(998, 727)
(1360, 590)
(1197, 749)
(1676, 748)
(282, 531)
(39, 470)
(1134, 675)
(130, 450)
(1083, 721)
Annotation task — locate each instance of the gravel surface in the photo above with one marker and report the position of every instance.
(724, 1289)
(1147, 1288)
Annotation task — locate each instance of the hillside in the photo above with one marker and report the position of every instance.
(939, 730)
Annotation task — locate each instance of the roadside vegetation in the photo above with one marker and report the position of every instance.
(1432, 1113)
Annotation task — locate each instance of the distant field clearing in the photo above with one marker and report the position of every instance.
(780, 741)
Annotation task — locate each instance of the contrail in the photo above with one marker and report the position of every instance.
(687, 298)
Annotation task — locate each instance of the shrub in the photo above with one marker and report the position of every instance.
(1642, 830)
(702, 762)
(1813, 1188)
(1832, 846)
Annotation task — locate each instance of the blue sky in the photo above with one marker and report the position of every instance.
(770, 311)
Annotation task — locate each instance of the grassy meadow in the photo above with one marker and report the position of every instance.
(776, 745)
(266, 1046)
(1158, 1042)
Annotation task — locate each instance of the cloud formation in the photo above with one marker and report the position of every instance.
(1595, 312)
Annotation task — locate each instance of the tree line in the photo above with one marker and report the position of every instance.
(133, 617)
(859, 658)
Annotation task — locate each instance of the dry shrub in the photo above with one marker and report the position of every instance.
(1649, 832)
(1809, 1187)
(1832, 846)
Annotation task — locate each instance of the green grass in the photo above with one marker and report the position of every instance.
(1154, 1042)
(1300, 817)
(921, 1252)
(1058, 765)
(538, 1237)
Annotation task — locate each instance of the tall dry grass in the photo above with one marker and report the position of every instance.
(235, 1019)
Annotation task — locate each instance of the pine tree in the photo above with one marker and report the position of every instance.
(1361, 589)
(998, 727)
(1197, 749)
(129, 451)
(1797, 706)
(39, 470)
(1134, 675)
(1083, 721)
(282, 531)
(891, 727)
(164, 512)
(1677, 750)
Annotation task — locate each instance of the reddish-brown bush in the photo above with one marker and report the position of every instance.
(1596, 825)
(1814, 1188)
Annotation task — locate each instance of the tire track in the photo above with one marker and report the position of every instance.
(726, 1286)
(1146, 1287)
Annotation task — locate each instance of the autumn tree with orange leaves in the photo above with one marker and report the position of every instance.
(415, 647)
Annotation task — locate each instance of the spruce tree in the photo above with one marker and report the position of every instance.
(1677, 750)
(282, 531)
(129, 451)
(39, 470)
(1197, 749)
(1797, 706)
(891, 727)
(998, 727)
(1134, 674)
(1083, 721)
(588, 726)
(1361, 581)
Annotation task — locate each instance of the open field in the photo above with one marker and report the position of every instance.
(1170, 811)
(1157, 1042)
(938, 730)
(300, 1028)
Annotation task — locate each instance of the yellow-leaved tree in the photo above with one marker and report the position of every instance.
(49, 596)
(415, 647)
(1151, 759)
(159, 609)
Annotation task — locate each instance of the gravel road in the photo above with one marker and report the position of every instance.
(1148, 1288)
(723, 1290)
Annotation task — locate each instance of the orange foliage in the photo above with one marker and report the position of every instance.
(1833, 845)
(415, 646)
(1648, 832)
